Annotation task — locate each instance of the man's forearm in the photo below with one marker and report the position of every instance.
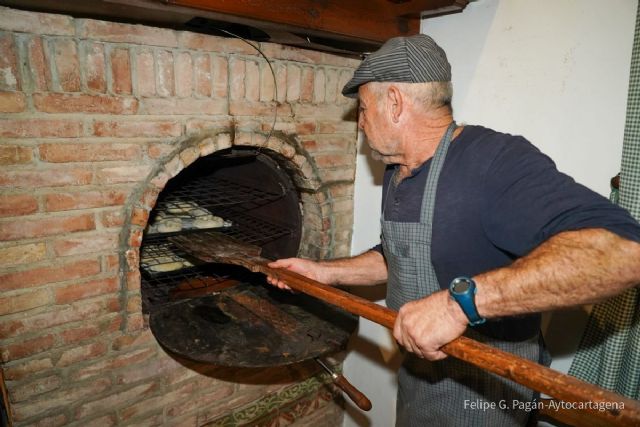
(571, 268)
(368, 268)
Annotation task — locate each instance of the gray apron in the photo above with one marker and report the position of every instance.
(447, 392)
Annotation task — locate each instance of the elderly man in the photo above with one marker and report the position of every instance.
(480, 233)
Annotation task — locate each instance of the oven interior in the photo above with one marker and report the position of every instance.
(223, 314)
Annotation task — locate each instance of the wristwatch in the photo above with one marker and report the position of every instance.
(463, 291)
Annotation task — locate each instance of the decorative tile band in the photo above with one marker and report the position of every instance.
(274, 405)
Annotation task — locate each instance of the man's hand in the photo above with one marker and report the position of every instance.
(425, 325)
(311, 269)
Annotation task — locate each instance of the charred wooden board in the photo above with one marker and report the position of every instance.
(252, 326)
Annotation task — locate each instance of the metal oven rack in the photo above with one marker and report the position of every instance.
(233, 201)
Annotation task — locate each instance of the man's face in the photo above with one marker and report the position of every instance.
(375, 123)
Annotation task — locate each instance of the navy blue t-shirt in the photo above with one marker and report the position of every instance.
(498, 198)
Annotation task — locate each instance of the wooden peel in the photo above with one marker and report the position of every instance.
(608, 408)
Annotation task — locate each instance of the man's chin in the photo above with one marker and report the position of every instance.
(376, 155)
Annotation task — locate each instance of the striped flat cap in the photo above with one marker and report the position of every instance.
(414, 59)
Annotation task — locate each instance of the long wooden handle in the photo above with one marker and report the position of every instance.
(608, 407)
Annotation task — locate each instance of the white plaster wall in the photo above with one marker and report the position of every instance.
(555, 71)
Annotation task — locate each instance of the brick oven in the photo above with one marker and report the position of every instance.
(96, 120)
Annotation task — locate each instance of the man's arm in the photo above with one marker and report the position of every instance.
(368, 268)
(571, 268)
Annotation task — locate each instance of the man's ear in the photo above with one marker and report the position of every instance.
(395, 103)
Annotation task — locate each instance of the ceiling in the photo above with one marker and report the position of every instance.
(342, 26)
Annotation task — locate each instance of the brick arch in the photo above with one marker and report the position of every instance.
(317, 205)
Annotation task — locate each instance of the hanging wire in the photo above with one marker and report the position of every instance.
(273, 74)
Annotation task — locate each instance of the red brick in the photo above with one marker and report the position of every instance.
(134, 304)
(245, 108)
(125, 33)
(121, 71)
(38, 68)
(113, 218)
(289, 53)
(305, 128)
(306, 85)
(15, 372)
(27, 227)
(12, 102)
(133, 129)
(213, 43)
(135, 238)
(35, 388)
(15, 155)
(34, 128)
(202, 66)
(52, 421)
(147, 370)
(157, 403)
(9, 77)
(184, 75)
(23, 254)
(130, 342)
(95, 68)
(267, 83)
(17, 204)
(90, 152)
(252, 81)
(57, 316)
(133, 281)
(122, 174)
(39, 23)
(87, 104)
(237, 71)
(49, 274)
(112, 262)
(65, 56)
(184, 106)
(107, 325)
(25, 301)
(293, 83)
(319, 82)
(26, 348)
(116, 400)
(330, 143)
(159, 149)
(62, 398)
(333, 160)
(165, 80)
(146, 73)
(84, 200)
(281, 81)
(220, 393)
(139, 216)
(220, 76)
(86, 244)
(81, 354)
(45, 178)
(331, 85)
(135, 323)
(333, 127)
(344, 174)
(92, 288)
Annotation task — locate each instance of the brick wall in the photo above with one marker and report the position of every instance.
(95, 118)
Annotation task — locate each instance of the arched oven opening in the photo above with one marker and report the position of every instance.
(222, 314)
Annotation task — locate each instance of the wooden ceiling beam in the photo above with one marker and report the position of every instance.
(370, 20)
